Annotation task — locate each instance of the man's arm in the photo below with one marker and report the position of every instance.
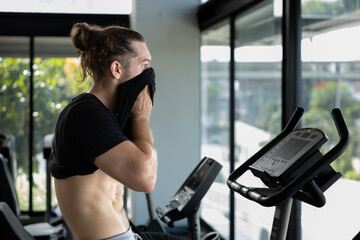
(134, 163)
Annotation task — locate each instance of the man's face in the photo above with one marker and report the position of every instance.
(138, 63)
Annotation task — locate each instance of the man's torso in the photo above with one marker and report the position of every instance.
(92, 205)
(90, 200)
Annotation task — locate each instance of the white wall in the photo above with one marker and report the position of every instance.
(173, 38)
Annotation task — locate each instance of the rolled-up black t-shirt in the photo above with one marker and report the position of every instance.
(86, 128)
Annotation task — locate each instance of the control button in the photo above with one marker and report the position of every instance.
(305, 135)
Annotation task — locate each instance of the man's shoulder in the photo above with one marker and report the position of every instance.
(83, 104)
(85, 100)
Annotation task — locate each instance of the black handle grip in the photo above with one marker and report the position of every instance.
(168, 221)
(164, 218)
(342, 131)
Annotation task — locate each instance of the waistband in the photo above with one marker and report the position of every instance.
(128, 235)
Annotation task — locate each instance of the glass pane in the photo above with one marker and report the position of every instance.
(14, 107)
(61, 6)
(258, 57)
(56, 81)
(330, 70)
(215, 58)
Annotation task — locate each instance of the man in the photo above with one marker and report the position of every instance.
(92, 158)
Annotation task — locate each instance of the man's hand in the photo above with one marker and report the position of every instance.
(134, 163)
(143, 105)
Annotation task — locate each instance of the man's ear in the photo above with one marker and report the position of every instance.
(116, 69)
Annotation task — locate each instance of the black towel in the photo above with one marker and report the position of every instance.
(127, 94)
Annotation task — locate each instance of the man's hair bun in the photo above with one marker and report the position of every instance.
(82, 35)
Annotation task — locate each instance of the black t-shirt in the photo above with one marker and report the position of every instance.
(85, 130)
(127, 95)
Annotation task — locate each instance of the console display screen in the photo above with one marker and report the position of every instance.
(199, 175)
(290, 148)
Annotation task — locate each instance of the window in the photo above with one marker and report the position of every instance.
(330, 71)
(56, 80)
(215, 59)
(258, 56)
(14, 106)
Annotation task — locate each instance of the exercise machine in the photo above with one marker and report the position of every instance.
(186, 201)
(292, 167)
(11, 226)
(7, 149)
(47, 147)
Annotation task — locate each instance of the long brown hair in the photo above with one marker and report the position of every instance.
(97, 47)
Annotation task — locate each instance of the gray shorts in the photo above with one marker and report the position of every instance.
(128, 235)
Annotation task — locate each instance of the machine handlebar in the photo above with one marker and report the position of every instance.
(304, 186)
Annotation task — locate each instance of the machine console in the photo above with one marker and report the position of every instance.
(289, 153)
(186, 200)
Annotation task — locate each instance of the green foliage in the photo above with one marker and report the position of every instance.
(14, 103)
(272, 117)
(56, 81)
(352, 175)
(214, 90)
(323, 98)
(326, 96)
(326, 8)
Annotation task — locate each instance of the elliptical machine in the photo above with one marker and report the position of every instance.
(292, 167)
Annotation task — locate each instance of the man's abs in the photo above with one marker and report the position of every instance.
(92, 205)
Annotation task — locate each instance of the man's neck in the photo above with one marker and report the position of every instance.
(106, 93)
